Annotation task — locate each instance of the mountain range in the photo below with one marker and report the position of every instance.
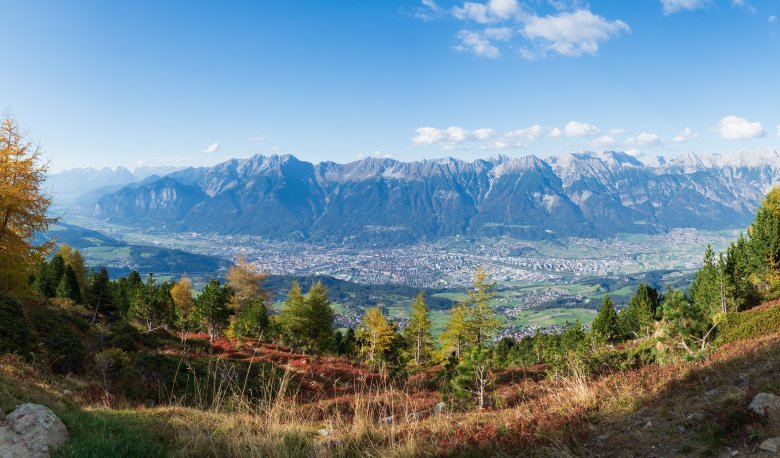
(388, 201)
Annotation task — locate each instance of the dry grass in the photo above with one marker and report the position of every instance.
(679, 409)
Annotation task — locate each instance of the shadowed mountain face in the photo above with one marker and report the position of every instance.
(387, 201)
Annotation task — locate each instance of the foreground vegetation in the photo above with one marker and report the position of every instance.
(138, 367)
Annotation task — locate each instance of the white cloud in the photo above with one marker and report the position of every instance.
(480, 43)
(259, 138)
(616, 132)
(477, 44)
(456, 134)
(674, 6)
(487, 13)
(484, 133)
(431, 4)
(685, 135)
(554, 132)
(141, 162)
(571, 34)
(772, 19)
(602, 142)
(212, 148)
(448, 137)
(529, 133)
(736, 128)
(572, 31)
(645, 139)
(579, 129)
(427, 136)
(633, 152)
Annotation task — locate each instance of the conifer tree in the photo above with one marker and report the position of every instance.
(707, 290)
(418, 332)
(23, 207)
(319, 319)
(249, 299)
(474, 378)
(68, 286)
(375, 334)
(153, 304)
(764, 247)
(99, 294)
(293, 315)
(605, 325)
(73, 258)
(181, 293)
(687, 322)
(456, 334)
(211, 308)
(480, 316)
(638, 316)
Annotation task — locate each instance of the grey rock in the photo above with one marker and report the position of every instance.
(387, 420)
(771, 445)
(438, 409)
(768, 405)
(325, 432)
(32, 430)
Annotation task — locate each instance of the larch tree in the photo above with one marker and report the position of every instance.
(375, 334)
(480, 315)
(455, 335)
(75, 260)
(181, 292)
(23, 207)
(249, 298)
(418, 332)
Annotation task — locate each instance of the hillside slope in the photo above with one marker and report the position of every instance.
(333, 407)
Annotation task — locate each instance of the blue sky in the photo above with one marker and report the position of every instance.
(193, 83)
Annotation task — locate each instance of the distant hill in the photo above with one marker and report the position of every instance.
(388, 201)
(68, 186)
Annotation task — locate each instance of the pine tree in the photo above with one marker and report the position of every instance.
(687, 322)
(764, 246)
(293, 315)
(52, 273)
(23, 207)
(456, 334)
(211, 308)
(99, 293)
(68, 287)
(375, 334)
(480, 316)
(75, 260)
(605, 325)
(474, 377)
(742, 293)
(153, 304)
(345, 344)
(418, 332)
(319, 319)
(706, 291)
(638, 316)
